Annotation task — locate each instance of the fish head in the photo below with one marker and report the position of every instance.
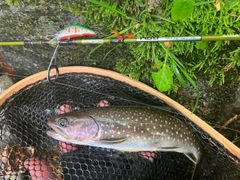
(71, 126)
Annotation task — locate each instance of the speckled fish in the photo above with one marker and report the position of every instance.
(126, 128)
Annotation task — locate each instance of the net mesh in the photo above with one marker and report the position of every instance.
(27, 152)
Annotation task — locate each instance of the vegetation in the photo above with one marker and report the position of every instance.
(150, 18)
(168, 65)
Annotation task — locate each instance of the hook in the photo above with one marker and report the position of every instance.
(51, 65)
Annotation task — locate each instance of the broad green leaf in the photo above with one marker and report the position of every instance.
(163, 79)
(182, 9)
(159, 64)
(201, 45)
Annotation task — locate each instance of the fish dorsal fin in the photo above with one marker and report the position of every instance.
(113, 141)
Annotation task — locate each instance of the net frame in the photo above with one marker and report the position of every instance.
(233, 152)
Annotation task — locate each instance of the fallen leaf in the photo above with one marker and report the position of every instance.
(168, 44)
(228, 67)
(233, 15)
(217, 5)
(137, 25)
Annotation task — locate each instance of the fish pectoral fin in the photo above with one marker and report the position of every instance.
(169, 149)
(113, 141)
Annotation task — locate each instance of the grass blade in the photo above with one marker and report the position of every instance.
(102, 4)
(194, 85)
(177, 73)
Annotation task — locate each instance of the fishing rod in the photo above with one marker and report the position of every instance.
(69, 35)
(55, 42)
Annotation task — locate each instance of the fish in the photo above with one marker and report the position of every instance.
(127, 128)
(74, 31)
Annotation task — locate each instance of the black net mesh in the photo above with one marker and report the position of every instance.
(26, 151)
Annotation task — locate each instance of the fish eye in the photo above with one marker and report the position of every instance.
(63, 122)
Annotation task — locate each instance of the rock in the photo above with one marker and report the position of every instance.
(5, 82)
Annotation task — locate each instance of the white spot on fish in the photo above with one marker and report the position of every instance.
(147, 129)
(141, 131)
(154, 127)
(138, 137)
(112, 136)
(127, 135)
(160, 126)
(156, 120)
(106, 132)
(176, 132)
(158, 133)
(112, 126)
(134, 128)
(123, 130)
(118, 132)
(129, 127)
(141, 124)
(136, 119)
(166, 130)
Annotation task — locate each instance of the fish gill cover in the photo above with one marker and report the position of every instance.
(26, 151)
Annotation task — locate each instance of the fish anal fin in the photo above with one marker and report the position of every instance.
(191, 157)
(194, 160)
(113, 141)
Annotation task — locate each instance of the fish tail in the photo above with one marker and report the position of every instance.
(201, 169)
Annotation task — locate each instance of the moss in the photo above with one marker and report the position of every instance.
(153, 19)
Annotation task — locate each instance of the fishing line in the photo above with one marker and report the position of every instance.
(112, 97)
(51, 65)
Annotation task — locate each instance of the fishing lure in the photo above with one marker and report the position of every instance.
(73, 31)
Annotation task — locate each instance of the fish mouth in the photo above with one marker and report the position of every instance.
(57, 133)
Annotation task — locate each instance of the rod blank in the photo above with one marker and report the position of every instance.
(127, 40)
